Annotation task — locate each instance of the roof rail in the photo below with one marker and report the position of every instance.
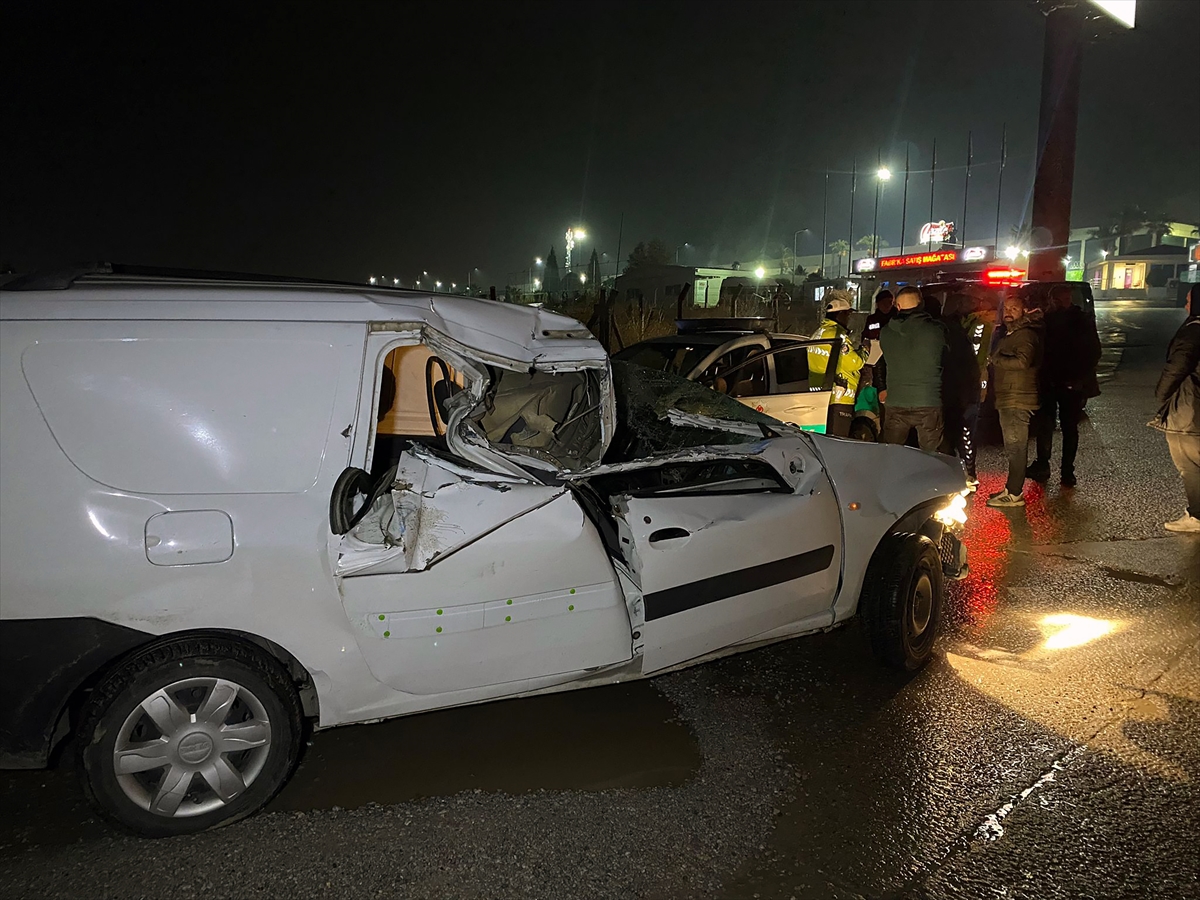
(61, 279)
(56, 279)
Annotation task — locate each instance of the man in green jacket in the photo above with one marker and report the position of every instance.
(1015, 361)
(914, 345)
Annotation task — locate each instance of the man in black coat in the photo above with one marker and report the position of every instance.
(1066, 379)
(1178, 395)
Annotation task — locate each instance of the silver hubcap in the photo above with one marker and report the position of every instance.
(205, 727)
(922, 604)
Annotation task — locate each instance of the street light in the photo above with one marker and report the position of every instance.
(759, 273)
(395, 281)
(583, 278)
(677, 249)
(1012, 252)
(882, 175)
(573, 235)
(372, 279)
(439, 285)
(794, 236)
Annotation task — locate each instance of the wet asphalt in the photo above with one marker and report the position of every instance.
(1052, 749)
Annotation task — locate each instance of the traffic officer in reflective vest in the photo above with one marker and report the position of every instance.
(849, 363)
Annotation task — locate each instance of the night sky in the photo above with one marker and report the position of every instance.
(341, 140)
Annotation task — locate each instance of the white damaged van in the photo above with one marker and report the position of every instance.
(230, 507)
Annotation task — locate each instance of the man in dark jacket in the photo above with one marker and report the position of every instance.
(1015, 360)
(961, 382)
(1178, 395)
(1067, 379)
(914, 346)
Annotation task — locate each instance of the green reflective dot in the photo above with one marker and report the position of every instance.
(571, 607)
(381, 618)
(439, 612)
(509, 602)
(508, 618)
(439, 629)
(572, 590)
(387, 634)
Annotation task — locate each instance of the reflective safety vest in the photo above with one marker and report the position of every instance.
(850, 363)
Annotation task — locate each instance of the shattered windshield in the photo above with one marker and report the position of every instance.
(648, 399)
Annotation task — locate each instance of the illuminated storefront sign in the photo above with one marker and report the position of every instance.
(930, 258)
(933, 258)
(936, 232)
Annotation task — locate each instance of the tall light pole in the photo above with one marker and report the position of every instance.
(573, 235)
(677, 249)
(794, 236)
(853, 187)
(824, 221)
(904, 202)
(966, 191)
(882, 175)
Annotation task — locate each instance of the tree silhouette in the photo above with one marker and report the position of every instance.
(839, 249)
(1159, 227)
(652, 253)
(552, 283)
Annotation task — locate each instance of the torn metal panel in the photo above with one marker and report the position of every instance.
(560, 413)
(433, 509)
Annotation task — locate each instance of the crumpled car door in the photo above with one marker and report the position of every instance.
(430, 508)
(725, 545)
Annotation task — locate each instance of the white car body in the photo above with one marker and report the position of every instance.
(169, 448)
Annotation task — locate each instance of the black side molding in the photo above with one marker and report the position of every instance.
(730, 584)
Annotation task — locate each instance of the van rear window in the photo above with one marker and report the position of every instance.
(207, 415)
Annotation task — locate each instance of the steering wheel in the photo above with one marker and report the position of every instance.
(438, 393)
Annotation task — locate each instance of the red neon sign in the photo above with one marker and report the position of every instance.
(919, 259)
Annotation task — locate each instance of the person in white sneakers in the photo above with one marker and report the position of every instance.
(1015, 360)
(1178, 395)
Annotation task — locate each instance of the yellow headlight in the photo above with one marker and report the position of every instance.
(954, 512)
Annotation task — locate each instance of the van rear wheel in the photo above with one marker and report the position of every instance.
(188, 735)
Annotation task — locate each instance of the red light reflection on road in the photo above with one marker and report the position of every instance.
(988, 534)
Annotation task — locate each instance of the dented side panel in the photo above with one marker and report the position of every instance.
(885, 481)
(719, 569)
(536, 597)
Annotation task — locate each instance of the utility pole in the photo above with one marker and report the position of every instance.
(932, 183)
(824, 221)
(853, 185)
(1062, 64)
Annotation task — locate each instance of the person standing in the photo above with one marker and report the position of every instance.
(961, 384)
(1178, 395)
(914, 346)
(849, 363)
(1066, 379)
(1015, 360)
(875, 371)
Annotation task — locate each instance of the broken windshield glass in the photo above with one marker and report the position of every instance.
(649, 404)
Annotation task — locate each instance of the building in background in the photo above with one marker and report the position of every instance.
(1162, 274)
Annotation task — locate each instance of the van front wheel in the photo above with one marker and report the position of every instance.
(188, 735)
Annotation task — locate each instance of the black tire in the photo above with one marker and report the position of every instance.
(114, 702)
(903, 589)
(863, 429)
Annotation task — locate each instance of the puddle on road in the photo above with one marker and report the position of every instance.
(626, 735)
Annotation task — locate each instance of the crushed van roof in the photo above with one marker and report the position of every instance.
(522, 333)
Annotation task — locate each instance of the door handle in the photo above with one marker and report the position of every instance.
(669, 534)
